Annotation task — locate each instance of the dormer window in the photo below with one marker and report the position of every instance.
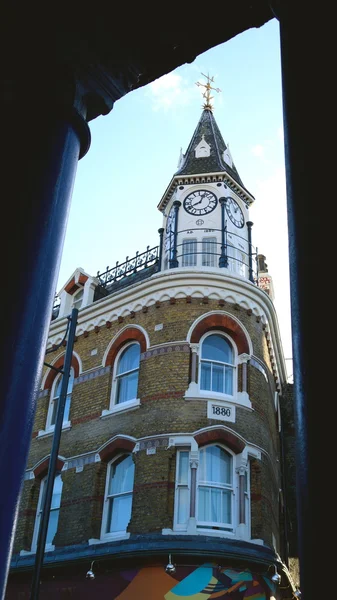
(202, 149)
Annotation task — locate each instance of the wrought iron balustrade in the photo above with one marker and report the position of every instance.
(130, 266)
(231, 251)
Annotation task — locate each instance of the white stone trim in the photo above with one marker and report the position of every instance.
(181, 282)
(66, 425)
(119, 408)
(111, 537)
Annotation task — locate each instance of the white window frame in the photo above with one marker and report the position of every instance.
(203, 526)
(178, 486)
(236, 530)
(123, 534)
(133, 402)
(212, 394)
(49, 546)
(77, 299)
(206, 255)
(66, 422)
(190, 257)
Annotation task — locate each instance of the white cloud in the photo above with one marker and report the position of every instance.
(170, 91)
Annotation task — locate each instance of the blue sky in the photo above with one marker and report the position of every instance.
(135, 150)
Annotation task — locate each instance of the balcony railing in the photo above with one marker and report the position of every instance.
(131, 265)
(233, 253)
(201, 247)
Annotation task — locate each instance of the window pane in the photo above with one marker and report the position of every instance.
(57, 393)
(216, 347)
(119, 513)
(215, 471)
(189, 251)
(55, 506)
(52, 525)
(203, 495)
(215, 465)
(127, 387)
(54, 413)
(183, 467)
(205, 377)
(67, 408)
(122, 474)
(129, 359)
(215, 505)
(217, 378)
(226, 506)
(57, 492)
(183, 505)
(229, 380)
(209, 252)
(78, 297)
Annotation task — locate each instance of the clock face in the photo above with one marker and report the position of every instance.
(200, 202)
(235, 213)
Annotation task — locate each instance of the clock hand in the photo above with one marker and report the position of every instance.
(199, 201)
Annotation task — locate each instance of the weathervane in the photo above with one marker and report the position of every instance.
(207, 92)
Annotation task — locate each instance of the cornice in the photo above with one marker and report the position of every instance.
(204, 178)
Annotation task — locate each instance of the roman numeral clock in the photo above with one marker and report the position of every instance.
(200, 202)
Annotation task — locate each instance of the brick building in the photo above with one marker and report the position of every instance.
(174, 477)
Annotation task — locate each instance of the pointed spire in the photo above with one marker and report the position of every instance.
(207, 151)
(216, 159)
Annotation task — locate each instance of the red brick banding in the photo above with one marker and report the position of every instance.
(222, 323)
(57, 365)
(220, 436)
(42, 469)
(131, 334)
(115, 447)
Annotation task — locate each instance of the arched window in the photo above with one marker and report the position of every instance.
(54, 511)
(217, 365)
(126, 377)
(118, 496)
(215, 489)
(55, 398)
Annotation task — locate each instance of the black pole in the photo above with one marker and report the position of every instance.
(174, 261)
(250, 251)
(223, 260)
(302, 99)
(43, 145)
(161, 241)
(41, 543)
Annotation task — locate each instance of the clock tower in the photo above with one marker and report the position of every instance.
(175, 468)
(206, 205)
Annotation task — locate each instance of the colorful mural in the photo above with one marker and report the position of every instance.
(209, 580)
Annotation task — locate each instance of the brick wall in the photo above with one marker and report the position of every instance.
(163, 380)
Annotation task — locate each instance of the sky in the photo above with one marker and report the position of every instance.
(136, 147)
